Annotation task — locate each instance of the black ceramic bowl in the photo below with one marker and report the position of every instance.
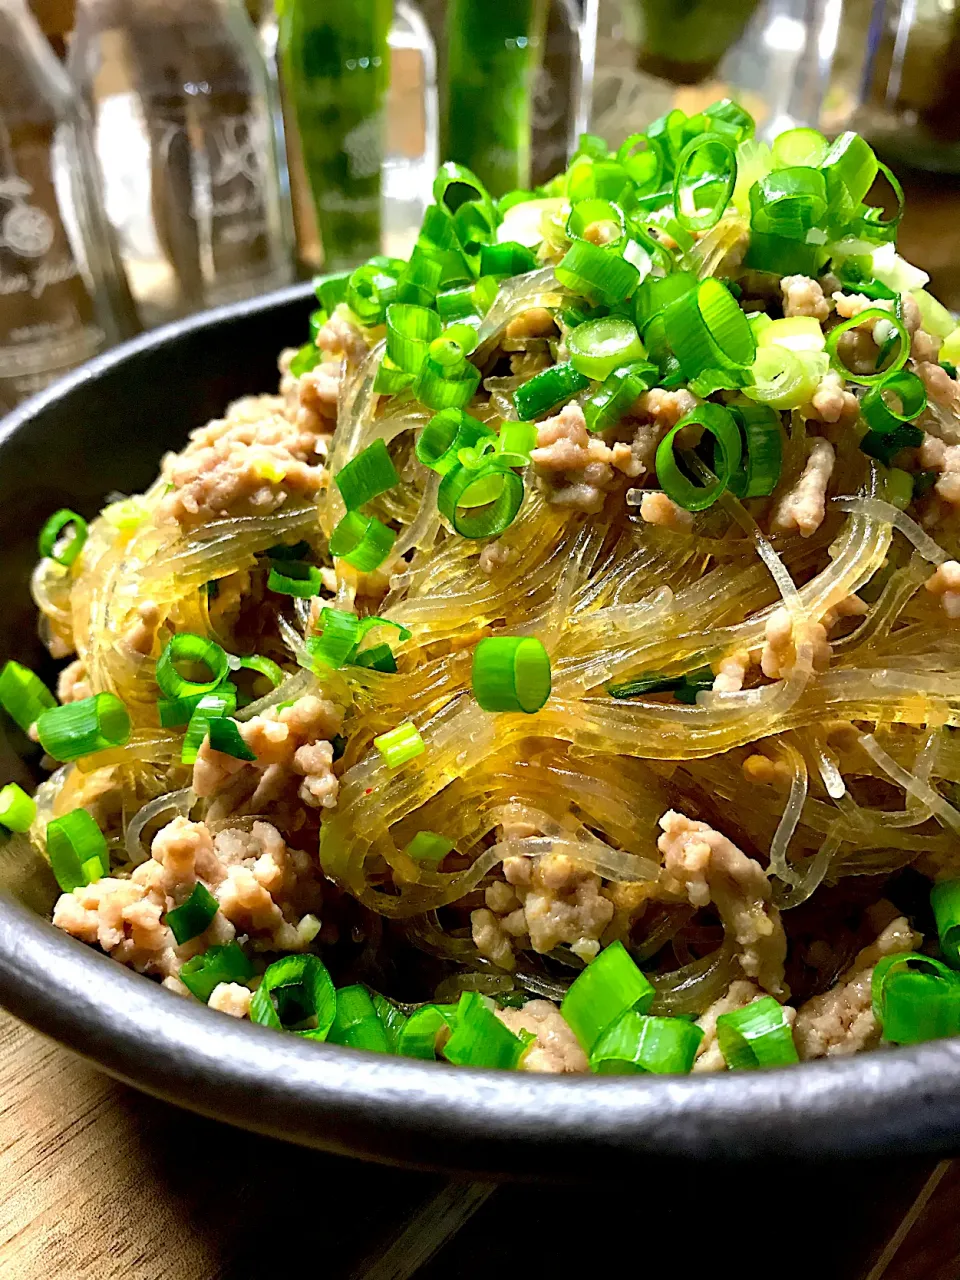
(105, 428)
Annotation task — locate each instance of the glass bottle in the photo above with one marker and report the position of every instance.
(62, 294)
(493, 54)
(411, 149)
(185, 133)
(335, 69)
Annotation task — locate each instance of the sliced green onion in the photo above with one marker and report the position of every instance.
(370, 290)
(511, 673)
(481, 502)
(644, 167)
(370, 473)
(788, 203)
(587, 213)
(318, 319)
(410, 331)
(758, 1035)
(225, 737)
(193, 916)
(694, 682)
(306, 359)
(447, 379)
(378, 657)
(203, 973)
(479, 1038)
(849, 168)
(885, 445)
(762, 458)
(362, 541)
(907, 388)
(418, 1036)
(547, 390)
(17, 809)
(786, 379)
(616, 397)
(356, 1022)
(799, 147)
(81, 728)
(294, 579)
(389, 379)
(77, 850)
(400, 744)
(637, 1044)
(706, 329)
(50, 534)
(647, 684)
(599, 347)
(174, 712)
(340, 634)
(719, 422)
(507, 259)
(23, 695)
(706, 166)
(451, 176)
(427, 846)
(915, 998)
(331, 290)
(659, 292)
(303, 990)
(516, 442)
(782, 256)
(210, 707)
(392, 1019)
(186, 647)
(264, 667)
(944, 899)
(597, 273)
(603, 992)
(898, 488)
(796, 333)
(445, 435)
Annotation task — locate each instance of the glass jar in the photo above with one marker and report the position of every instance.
(185, 131)
(62, 293)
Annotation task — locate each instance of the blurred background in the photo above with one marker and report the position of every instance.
(158, 157)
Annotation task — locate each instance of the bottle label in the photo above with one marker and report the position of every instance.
(47, 322)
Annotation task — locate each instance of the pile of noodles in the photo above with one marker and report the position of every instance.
(612, 599)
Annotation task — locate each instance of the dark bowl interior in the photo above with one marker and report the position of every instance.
(105, 429)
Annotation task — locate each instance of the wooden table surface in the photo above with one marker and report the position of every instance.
(102, 1183)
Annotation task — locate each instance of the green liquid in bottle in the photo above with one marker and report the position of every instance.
(335, 64)
(493, 53)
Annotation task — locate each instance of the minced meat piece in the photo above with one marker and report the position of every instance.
(804, 507)
(535, 322)
(841, 1020)
(72, 682)
(945, 459)
(340, 336)
(804, 297)
(831, 402)
(945, 583)
(702, 866)
(941, 388)
(239, 469)
(574, 465)
(657, 508)
(731, 672)
(556, 1049)
(291, 744)
(490, 938)
(779, 654)
(232, 998)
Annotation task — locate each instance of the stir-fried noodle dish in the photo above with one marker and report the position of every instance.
(561, 672)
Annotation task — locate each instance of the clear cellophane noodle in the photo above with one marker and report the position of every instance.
(612, 599)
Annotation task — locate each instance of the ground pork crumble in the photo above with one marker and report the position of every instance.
(263, 888)
(702, 866)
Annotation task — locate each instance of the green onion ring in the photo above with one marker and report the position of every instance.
(870, 313)
(727, 177)
(499, 511)
(50, 533)
(721, 425)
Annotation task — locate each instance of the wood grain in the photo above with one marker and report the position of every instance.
(102, 1183)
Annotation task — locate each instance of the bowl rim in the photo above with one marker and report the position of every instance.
(429, 1115)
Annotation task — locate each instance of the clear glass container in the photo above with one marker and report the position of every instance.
(62, 293)
(653, 56)
(186, 134)
(411, 149)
